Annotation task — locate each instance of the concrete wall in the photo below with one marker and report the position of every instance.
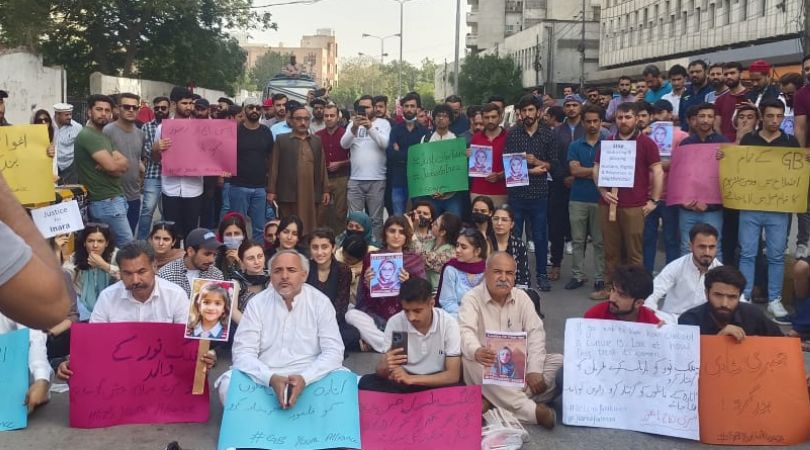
(148, 89)
(30, 85)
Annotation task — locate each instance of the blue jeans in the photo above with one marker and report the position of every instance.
(133, 211)
(399, 199)
(775, 225)
(151, 198)
(536, 212)
(113, 212)
(226, 204)
(250, 202)
(688, 218)
(669, 216)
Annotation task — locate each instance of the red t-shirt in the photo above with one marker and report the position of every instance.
(725, 105)
(481, 185)
(801, 106)
(647, 154)
(602, 311)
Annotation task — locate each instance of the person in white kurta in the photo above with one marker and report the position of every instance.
(288, 333)
(38, 366)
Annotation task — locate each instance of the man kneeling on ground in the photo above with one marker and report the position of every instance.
(423, 346)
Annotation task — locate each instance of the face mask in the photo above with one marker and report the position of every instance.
(479, 217)
(354, 233)
(424, 222)
(233, 242)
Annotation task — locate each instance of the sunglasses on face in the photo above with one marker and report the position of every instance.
(43, 120)
(129, 107)
(97, 225)
(161, 108)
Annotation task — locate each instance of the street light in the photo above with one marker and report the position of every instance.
(401, 34)
(382, 43)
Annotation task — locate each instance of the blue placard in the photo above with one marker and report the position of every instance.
(13, 379)
(326, 415)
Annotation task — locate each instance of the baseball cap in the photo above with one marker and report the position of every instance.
(760, 66)
(662, 105)
(201, 102)
(268, 102)
(203, 238)
(572, 98)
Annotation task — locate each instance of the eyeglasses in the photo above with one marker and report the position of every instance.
(96, 225)
(161, 108)
(128, 107)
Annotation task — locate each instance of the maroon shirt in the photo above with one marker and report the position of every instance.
(725, 105)
(333, 151)
(647, 154)
(602, 311)
(801, 106)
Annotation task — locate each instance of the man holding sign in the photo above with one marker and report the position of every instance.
(630, 188)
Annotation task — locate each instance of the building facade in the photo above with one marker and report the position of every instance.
(491, 21)
(317, 55)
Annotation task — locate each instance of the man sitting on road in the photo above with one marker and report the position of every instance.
(631, 285)
(496, 305)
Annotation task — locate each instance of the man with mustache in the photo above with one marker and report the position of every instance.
(728, 103)
(201, 248)
(724, 314)
(496, 305)
(403, 135)
(631, 285)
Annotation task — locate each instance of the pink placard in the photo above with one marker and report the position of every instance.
(694, 175)
(440, 419)
(199, 147)
(128, 373)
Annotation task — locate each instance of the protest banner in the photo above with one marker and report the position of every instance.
(753, 392)
(13, 379)
(326, 415)
(480, 161)
(617, 164)
(764, 178)
(439, 166)
(631, 376)
(510, 360)
(694, 175)
(133, 373)
(516, 169)
(199, 147)
(438, 419)
(386, 268)
(61, 218)
(25, 164)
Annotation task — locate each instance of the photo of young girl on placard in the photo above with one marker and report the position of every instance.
(209, 315)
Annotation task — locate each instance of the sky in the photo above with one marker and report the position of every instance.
(428, 26)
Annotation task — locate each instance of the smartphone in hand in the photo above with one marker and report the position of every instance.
(285, 400)
(399, 339)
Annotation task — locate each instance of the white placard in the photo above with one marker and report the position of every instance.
(617, 164)
(56, 219)
(632, 376)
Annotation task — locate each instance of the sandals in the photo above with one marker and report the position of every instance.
(554, 274)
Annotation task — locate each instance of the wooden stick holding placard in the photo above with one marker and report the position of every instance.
(612, 211)
(200, 378)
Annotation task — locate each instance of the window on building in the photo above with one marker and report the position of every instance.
(684, 23)
(726, 12)
(711, 15)
(697, 19)
(763, 7)
(672, 25)
(743, 10)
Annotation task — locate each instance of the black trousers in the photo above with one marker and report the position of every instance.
(559, 225)
(183, 211)
(731, 233)
(374, 382)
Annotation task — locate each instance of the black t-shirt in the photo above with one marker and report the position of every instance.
(253, 148)
(747, 316)
(784, 140)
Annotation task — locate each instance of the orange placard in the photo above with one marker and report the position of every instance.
(754, 392)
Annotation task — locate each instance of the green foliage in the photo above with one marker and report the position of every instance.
(267, 66)
(363, 75)
(484, 76)
(176, 41)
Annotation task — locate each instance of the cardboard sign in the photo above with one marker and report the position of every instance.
(199, 147)
(326, 415)
(764, 178)
(510, 360)
(438, 419)
(13, 379)
(516, 169)
(25, 164)
(617, 164)
(128, 373)
(631, 376)
(386, 268)
(439, 166)
(694, 175)
(61, 218)
(753, 392)
(480, 161)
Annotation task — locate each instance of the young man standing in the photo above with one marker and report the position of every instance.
(656, 87)
(726, 104)
(128, 139)
(426, 353)
(337, 168)
(151, 180)
(404, 135)
(493, 136)
(695, 94)
(677, 77)
(717, 83)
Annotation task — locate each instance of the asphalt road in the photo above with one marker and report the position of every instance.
(48, 427)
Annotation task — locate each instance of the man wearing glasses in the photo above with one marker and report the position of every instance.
(298, 177)
(128, 139)
(151, 180)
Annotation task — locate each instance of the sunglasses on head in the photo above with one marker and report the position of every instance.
(129, 107)
(167, 223)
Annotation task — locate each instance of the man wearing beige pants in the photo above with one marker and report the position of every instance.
(623, 237)
(497, 306)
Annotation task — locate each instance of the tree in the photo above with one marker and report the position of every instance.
(133, 38)
(483, 76)
(364, 75)
(267, 66)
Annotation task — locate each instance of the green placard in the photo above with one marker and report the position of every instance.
(439, 166)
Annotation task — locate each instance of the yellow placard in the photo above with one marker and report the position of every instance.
(25, 164)
(764, 178)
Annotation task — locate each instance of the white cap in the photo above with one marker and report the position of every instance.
(63, 107)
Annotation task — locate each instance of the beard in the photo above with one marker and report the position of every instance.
(409, 116)
(100, 121)
(529, 121)
(253, 117)
(732, 83)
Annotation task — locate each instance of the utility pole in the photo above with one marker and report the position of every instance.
(537, 62)
(401, 38)
(458, 30)
(806, 40)
(582, 53)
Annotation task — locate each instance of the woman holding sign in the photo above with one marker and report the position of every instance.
(372, 313)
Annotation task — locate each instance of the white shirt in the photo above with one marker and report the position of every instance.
(64, 137)
(367, 150)
(167, 304)
(191, 274)
(438, 137)
(185, 187)
(682, 284)
(675, 100)
(426, 352)
(271, 340)
(37, 351)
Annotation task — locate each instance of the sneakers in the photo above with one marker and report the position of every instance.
(543, 284)
(600, 292)
(530, 246)
(801, 251)
(574, 283)
(778, 311)
(569, 248)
